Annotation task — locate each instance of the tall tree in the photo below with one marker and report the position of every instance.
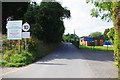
(47, 21)
(96, 35)
(70, 37)
(110, 10)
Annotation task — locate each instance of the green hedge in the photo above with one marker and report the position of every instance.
(12, 57)
(17, 59)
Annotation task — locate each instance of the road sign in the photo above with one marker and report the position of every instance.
(14, 34)
(14, 30)
(26, 35)
(16, 24)
(26, 26)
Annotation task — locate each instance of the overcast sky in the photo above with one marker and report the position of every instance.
(81, 20)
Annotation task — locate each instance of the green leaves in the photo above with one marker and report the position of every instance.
(95, 34)
(111, 35)
(101, 9)
(110, 10)
(46, 21)
(17, 60)
(94, 13)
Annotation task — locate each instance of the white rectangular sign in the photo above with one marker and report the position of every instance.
(16, 24)
(14, 34)
(26, 35)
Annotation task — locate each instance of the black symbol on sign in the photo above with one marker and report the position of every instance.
(26, 27)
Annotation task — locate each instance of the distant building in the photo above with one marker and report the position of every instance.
(91, 42)
(108, 43)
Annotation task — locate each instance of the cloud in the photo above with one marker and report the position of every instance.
(81, 20)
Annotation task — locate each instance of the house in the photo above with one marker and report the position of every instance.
(87, 41)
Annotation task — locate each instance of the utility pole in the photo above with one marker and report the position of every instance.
(74, 38)
(74, 32)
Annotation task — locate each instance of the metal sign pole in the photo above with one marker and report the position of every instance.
(26, 34)
(9, 45)
(107, 47)
(26, 45)
(20, 46)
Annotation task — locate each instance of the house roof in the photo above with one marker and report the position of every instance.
(88, 39)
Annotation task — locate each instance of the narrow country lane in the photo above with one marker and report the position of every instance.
(69, 62)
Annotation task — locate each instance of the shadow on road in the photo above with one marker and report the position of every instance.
(69, 51)
(50, 63)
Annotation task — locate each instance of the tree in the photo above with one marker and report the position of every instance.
(111, 34)
(46, 21)
(110, 11)
(67, 38)
(70, 37)
(95, 35)
(105, 36)
(14, 9)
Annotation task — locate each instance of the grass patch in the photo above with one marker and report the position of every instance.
(98, 48)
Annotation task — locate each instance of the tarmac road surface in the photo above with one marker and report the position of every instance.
(68, 62)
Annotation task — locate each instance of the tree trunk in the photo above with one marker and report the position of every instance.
(116, 22)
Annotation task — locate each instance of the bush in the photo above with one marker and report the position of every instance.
(12, 59)
(15, 64)
(3, 63)
(23, 57)
(40, 49)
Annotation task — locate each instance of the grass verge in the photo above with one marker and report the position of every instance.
(98, 48)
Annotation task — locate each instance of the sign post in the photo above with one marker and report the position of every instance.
(14, 30)
(26, 34)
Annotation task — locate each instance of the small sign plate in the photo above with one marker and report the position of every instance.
(26, 35)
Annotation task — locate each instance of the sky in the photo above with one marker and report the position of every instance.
(81, 20)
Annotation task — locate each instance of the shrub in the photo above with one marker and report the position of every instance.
(3, 63)
(13, 59)
(15, 64)
(36, 50)
(23, 57)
